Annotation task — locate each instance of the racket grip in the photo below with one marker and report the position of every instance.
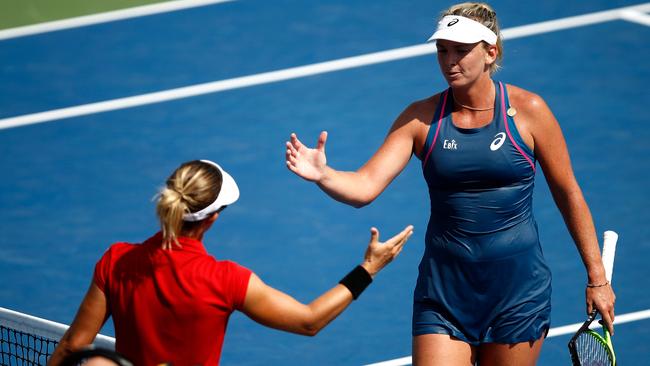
(609, 250)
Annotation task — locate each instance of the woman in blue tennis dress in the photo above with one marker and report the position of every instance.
(483, 293)
(482, 244)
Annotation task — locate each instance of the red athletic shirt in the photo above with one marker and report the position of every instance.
(170, 306)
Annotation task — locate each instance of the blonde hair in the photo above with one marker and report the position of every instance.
(192, 186)
(484, 14)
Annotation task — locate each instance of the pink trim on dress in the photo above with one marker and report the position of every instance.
(435, 137)
(505, 122)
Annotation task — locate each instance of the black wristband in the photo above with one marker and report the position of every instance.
(356, 281)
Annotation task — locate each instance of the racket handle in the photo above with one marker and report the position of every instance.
(609, 250)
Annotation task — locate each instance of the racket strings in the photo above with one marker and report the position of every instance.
(592, 351)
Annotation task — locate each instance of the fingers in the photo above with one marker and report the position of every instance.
(405, 235)
(295, 142)
(290, 157)
(402, 236)
(400, 245)
(409, 232)
(292, 166)
(602, 299)
(291, 154)
(608, 322)
(608, 313)
(396, 243)
(292, 147)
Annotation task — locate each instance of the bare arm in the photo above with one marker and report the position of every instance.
(360, 187)
(276, 309)
(553, 156)
(90, 317)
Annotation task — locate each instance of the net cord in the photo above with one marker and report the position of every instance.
(44, 328)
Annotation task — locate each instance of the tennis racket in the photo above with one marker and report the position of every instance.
(588, 347)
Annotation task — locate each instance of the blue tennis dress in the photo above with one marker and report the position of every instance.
(483, 277)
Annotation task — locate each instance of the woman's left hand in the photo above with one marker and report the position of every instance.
(603, 299)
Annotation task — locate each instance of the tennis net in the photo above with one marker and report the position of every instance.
(28, 340)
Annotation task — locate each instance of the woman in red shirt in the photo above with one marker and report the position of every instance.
(170, 300)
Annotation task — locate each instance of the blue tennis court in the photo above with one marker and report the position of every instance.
(83, 175)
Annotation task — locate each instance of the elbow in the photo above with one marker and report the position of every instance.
(310, 330)
(362, 201)
(313, 333)
(356, 202)
(62, 350)
(360, 204)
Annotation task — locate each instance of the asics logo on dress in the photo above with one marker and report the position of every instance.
(499, 139)
(449, 145)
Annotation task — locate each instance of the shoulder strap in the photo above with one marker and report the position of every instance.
(432, 136)
(511, 129)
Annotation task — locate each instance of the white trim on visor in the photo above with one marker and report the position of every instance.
(463, 30)
(228, 194)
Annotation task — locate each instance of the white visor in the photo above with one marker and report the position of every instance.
(228, 194)
(463, 30)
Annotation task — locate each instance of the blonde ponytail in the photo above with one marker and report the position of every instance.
(190, 188)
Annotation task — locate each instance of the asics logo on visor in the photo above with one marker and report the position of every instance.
(452, 22)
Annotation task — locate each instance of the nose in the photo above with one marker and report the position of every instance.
(447, 59)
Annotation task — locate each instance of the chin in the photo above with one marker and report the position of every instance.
(456, 82)
(460, 82)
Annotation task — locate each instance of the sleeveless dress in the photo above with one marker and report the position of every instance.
(483, 277)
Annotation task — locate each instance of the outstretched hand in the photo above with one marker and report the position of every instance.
(307, 163)
(379, 254)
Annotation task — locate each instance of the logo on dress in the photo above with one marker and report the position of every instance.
(500, 138)
(449, 145)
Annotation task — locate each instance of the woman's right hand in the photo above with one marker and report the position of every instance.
(379, 254)
(307, 163)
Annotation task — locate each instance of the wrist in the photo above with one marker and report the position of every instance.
(372, 271)
(325, 175)
(356, 281)
(597, 284)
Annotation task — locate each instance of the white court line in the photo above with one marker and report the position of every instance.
(301, 71)
(636, 16)
(553, 332)
(134, 12)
